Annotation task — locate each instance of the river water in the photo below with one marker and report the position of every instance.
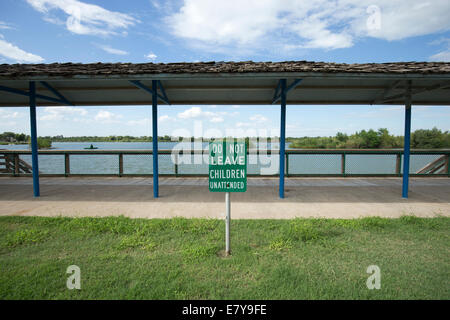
(196, 164)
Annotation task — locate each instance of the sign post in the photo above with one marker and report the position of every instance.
(227, 224)
(227, 173)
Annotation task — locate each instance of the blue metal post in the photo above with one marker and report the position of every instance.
(407, 142)
(34, 146)
(155, 137)
(282, 135)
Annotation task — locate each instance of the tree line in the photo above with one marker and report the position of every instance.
(22, 138)
(11, 137)
(126, 138)
(371, 139)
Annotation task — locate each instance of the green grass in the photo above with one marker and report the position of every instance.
(179, 258)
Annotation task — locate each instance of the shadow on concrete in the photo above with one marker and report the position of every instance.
(201, 194)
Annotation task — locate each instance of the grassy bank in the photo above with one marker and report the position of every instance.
(123, 258)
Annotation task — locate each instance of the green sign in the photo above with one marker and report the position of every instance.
(227, 166)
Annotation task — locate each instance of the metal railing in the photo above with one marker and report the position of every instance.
(298, 163)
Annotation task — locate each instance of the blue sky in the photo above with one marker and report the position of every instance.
(351, 31)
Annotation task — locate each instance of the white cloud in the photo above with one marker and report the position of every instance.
(441, 56)
(444, 55)
(82, 120)
(4, 25)
(243, 124)
(198, 113)
(194, 112)
(255, 122)
(54, 20)
(258, 118)
(165, 118)
(51, 117)
(216, 119)
(151, 56)
(9, 114)
(156, 4)
(443, 40)
(400, 19)
(224, 21)
(14, 115)
(13, 52)
(62, 113)
(104, 116)
(10, 124)
(68, 110)
(84, 18)
(294, 24)
(390, 108)
(112, 50)
(139, 123)
(291, 126)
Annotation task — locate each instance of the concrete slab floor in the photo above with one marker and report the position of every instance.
(190, 197)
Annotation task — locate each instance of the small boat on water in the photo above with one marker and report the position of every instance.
(91, 147)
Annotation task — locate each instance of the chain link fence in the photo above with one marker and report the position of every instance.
(298, 163)
(310, 164)
(370, 164)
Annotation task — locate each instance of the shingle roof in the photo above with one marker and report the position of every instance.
(71, 69)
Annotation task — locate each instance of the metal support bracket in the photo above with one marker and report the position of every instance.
(162, 97)
(386, 91)
(56, 93)
(37, 96)
(413, 93)
(278, 92)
